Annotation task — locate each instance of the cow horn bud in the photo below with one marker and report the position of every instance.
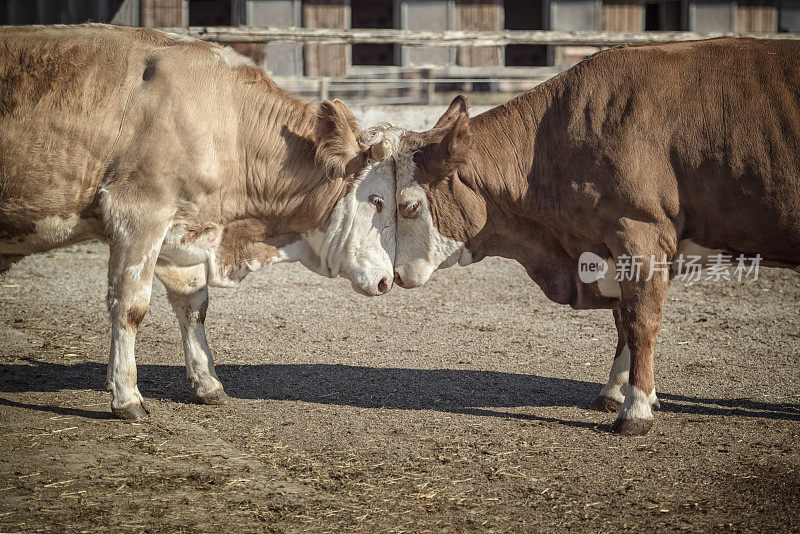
(379, 151)
(409, 209)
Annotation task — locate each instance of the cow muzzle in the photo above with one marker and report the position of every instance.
(374, 289)
(383, 286)
(411, 278)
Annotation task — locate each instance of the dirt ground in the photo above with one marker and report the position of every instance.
(459, 406)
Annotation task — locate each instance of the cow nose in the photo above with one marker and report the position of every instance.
(384, 285)
(398, 280)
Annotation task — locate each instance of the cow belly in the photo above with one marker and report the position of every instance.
(52, 232)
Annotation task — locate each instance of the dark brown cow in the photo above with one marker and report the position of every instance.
(641, 152)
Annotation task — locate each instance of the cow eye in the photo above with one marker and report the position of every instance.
(377, 201)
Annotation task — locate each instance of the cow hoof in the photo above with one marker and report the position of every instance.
(656, 404)
(216, 397)
(131, 412)
(605, 404)
(632, 427)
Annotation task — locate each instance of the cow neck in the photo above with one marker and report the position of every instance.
(501, 171)
(282, 186)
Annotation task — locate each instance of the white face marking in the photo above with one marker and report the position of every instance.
(359, 242)
(421, 248)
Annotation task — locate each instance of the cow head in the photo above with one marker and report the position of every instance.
(437, 211)
(359, 241)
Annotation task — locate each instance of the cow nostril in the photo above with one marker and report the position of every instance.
(398, 280)
(384, 285)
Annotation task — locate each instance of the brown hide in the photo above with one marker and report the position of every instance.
(630, 151)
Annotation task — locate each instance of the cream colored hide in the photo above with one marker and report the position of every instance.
(358, 244)
(193, 166)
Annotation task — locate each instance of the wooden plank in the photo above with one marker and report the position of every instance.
(279, 58)
(447, 38)
(155, 13)
(622, 15)
(480, 15)
(325, 59)
(757, 16)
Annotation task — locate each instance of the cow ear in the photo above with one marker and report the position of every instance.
(457, 108)
(453, 149)
(338, 149)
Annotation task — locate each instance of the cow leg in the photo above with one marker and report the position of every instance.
(640, 320)
(611, 397)
(191, 312)
(188, 294)
(130, 281)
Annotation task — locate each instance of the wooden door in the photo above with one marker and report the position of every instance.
(480, 15)
(325, 60)
(162, 13)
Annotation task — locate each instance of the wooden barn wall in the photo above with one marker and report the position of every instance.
(480, 15)
(757, 16)
(162, 13)
(325, 60)
(622, 16)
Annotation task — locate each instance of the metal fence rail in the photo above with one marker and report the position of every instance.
(446, 38)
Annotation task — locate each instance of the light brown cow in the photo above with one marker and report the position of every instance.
(191, 164)
(637, 152)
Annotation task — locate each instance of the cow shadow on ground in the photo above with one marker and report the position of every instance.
(482, 393)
